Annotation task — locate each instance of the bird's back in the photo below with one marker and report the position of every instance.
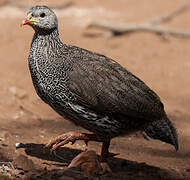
(105, 86)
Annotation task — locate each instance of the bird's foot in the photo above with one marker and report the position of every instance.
(72, 137)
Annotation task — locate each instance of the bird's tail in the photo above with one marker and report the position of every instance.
(163, 130)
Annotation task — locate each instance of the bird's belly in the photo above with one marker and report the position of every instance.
(55, 95)
(102, 125)
(42, 92)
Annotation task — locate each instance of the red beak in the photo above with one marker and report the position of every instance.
(24, 22)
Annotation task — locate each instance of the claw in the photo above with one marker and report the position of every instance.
(72, 137)
(62, 140)
(51, 151)
(73, 142)
(112, 154)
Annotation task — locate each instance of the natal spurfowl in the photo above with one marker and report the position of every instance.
(91, 90)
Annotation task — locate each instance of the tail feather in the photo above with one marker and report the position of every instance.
(163, 130)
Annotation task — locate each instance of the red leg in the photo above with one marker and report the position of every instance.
(70, 137)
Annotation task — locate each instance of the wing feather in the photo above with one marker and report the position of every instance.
(104, 86)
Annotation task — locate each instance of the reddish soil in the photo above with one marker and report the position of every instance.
(164, 64)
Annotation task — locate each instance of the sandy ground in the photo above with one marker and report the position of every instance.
(163, 64)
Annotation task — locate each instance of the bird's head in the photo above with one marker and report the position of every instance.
(41, 18)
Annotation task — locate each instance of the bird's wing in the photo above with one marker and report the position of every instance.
(103, 85)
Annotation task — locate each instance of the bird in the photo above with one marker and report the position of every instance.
(91, 90)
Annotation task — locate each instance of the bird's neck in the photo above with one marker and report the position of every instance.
(47, 36)
(45, 49)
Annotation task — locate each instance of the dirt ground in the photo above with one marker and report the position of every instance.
(164, 64)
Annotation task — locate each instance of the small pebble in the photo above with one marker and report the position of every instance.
(19, 145)
(13, 90)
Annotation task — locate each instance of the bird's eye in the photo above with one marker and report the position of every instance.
(42, 15)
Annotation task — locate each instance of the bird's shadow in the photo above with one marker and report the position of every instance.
(121, 168)
(63, 155)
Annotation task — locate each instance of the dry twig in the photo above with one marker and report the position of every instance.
(149, 26)
(121, 28)
(171, 14)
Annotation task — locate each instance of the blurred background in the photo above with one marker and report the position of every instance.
(161, 61)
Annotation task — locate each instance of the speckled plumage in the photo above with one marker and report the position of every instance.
(92, 90)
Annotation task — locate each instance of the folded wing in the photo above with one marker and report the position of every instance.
(103, 85)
